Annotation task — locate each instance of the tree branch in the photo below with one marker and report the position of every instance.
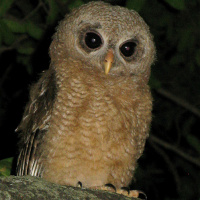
(14, 45)
(170, 165)
(176, 150)
(33, 11)
(29, 187)
(179, 101)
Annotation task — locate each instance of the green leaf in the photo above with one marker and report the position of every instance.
(75, 4)
(53, 11)
(177, 59)
(185, 39)
(135, 4)
(4, 6)
(194, 142)
(5, 166)
(25, 50)
(34, 31)
(1, 36)
(6, 34)
(15, 26)
(177, 4)
(26, 61)
(154, 83)
(197, 57)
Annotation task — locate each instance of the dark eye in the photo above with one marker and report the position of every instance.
(93, 40)
(128, 48)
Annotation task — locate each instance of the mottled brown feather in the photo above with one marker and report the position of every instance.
(35, 122)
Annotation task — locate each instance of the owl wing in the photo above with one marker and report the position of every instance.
(35, 123)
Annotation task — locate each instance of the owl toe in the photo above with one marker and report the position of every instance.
(107, 187)
(132, 193)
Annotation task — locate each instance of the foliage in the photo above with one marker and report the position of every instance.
(5, 166)
(170, 167)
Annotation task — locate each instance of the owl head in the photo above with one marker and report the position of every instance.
(110, 40)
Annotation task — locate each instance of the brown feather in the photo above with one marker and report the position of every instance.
(35, 122)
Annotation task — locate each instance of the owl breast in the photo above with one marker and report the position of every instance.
(97, 132)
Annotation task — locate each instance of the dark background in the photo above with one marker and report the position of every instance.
(170, 166)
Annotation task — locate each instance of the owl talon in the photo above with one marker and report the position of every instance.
(123, 191)
(79, 184)
(142, 195)
(112, 187)
(132, 193)
(107, 187)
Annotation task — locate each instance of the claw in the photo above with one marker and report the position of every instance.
(79, 184)
(142, 195)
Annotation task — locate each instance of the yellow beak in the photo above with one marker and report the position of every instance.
(108, 61)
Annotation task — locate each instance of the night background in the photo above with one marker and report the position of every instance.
(170, 166)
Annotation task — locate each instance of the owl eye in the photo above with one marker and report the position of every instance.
(93, 40)
(128, 48)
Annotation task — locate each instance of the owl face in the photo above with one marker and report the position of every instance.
(111, 40)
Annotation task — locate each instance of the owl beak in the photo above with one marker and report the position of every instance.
(108, 61)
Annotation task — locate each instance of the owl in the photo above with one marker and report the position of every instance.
(89, 114)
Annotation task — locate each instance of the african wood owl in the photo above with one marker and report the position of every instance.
(89, 114)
